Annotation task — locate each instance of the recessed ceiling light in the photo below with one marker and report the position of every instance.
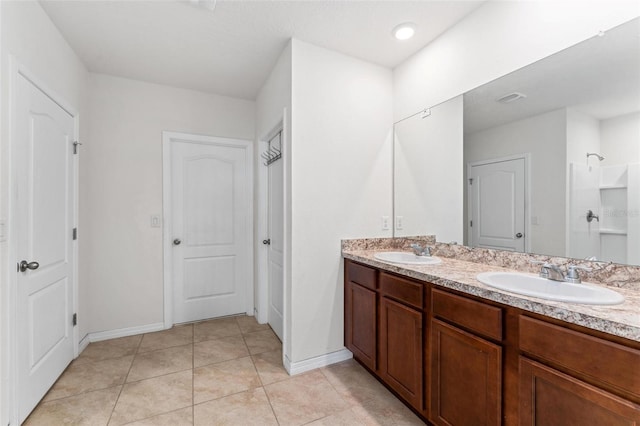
(404, 31)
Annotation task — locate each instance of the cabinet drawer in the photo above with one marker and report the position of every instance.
(478, 317)
(605, 362)
(403, 290)
(362, 275)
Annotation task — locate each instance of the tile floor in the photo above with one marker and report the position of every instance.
(220, 372)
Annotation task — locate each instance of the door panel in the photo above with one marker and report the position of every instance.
(497, 197)
(276, 247)
(211, 263)
(44, 136)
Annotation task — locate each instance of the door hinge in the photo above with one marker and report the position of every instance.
(471, 223)
(75, 233)
(471, 181)
(74, 320)
(75, 146)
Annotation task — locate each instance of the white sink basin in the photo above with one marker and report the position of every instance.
(533, 285)
(406, 258)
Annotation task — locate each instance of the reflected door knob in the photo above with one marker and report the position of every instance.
(177, 242)
(519, 235)
(24, 265)
(266, 242)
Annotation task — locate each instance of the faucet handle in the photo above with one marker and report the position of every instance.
(572, 273)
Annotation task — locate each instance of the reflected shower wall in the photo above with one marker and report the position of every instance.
(612, 194)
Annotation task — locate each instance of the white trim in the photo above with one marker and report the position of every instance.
(123, 332)
(294, 368)
(527, 194)
(167, 232)
(9, 354)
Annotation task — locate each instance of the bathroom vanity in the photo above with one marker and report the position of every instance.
(460, 353)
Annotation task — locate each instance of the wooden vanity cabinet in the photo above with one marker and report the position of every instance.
(571, 377)
(458, 360)
(401, 337)
(361, 313)
(466, 367)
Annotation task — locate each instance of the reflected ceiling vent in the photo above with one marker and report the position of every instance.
(511, 97)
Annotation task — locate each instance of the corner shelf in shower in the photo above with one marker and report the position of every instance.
(613, 187)
(612, 231)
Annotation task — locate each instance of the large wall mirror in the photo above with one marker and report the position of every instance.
(548, 162)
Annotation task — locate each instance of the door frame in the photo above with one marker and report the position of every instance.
(527, 193)
(167, 217)
(10, 350)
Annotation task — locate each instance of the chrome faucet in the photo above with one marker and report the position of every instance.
(418, 250)
(553, 272)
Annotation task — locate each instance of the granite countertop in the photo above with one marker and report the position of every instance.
(620, 320)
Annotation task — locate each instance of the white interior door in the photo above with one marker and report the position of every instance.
(497, 204)
(210, 193)
(44, 136)
(276, 242)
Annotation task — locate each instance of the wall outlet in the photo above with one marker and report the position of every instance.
(399, 220)
(385, 223)
(155, 221)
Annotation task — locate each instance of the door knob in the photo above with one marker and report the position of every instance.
(24, 265)
(266, 242)
(177, 242)
(519, 235)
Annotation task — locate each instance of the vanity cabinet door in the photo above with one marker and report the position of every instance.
(360, 323)
(466, 374)
(549, 397)
(401, 350)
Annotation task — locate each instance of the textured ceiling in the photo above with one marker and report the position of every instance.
(599, 77)
(231, 50)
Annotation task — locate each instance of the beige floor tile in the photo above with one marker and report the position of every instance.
(224, 349)
(247, 408)
(224, 378)
(151, 397)
(269, 366)
(262, 341)
(215, 329)
(177, 336)
(90, 409)
(87, 376)
(161, 362)
(114, 348)
(183, 417)
(354, 383)
(250, 325)
(304, 398)
(350, 417)
(389, 411)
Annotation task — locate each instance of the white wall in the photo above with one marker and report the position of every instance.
(28, 34)
(620, 139)
(427, 154)
(122, 187)
(497, 38)
(544, 138)
(341, 183)
(273, 105)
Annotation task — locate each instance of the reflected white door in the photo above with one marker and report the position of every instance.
(210, 192)
(276, 246)
(44, 136)
(496, 201)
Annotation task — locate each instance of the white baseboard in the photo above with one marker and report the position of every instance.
(294, 368)
(124, 332)
(84, 343)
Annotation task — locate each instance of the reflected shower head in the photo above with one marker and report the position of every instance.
(600, 157)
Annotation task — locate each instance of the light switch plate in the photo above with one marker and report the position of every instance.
(155, 221)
